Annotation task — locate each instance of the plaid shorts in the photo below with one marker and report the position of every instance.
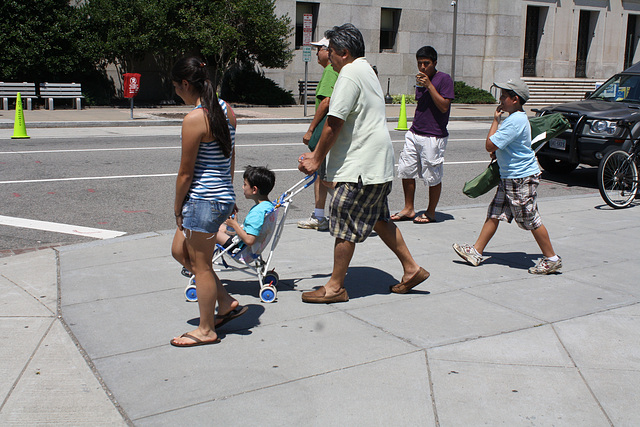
(355, 209)
(517, 198)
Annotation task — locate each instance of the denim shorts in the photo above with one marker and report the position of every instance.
(205, 216)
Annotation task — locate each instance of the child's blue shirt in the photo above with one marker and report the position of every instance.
(515, 157)
(255, 217)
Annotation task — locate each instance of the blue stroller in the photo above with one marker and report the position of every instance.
(250, 259)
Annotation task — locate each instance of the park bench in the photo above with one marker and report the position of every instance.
(10, 90)
(312, 85)
(51, 91)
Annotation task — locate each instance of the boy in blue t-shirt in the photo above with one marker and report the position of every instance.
(258, 182)
(516, 197)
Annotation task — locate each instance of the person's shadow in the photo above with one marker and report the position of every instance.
(239, 326)
(243, 324)
(439, 217)
(364, 281)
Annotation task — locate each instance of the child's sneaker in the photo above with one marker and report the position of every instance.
(320, 224)
(468, 253)
(545, 266)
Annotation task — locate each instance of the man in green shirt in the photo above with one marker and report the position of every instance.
(324, 90)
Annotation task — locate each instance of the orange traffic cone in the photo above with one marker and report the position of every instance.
(19, 127)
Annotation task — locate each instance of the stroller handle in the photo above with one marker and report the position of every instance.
(295, 189)
(313, 177)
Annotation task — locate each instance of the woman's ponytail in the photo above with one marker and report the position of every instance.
(194, 71)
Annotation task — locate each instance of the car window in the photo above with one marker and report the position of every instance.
(619, 88)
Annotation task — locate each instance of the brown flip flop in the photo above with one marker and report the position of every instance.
(233, 314)
(423, 219)
(400, 218)
(196, 341)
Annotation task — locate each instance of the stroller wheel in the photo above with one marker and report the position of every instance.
(268, 294)
(191, 294)
(271, 278)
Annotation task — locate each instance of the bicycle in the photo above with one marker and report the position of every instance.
(618, 176)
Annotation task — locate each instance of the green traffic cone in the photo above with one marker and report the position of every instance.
(19, 127)
(402, 120)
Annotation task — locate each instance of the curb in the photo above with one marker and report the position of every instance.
(178, 122)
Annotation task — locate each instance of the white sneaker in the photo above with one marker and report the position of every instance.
(546, 266)
(468, 253)
(320, 224)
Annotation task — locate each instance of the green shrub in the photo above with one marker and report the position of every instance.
(246, 85)
(465, 94)
(408, 99)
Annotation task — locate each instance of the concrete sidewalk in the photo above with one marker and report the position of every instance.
(487, 345)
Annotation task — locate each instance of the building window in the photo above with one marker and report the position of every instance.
(389, 23)
(303, 8)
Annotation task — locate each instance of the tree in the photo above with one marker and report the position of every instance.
(224, 32)
(126, 31)
(228, 32)
(41, 40)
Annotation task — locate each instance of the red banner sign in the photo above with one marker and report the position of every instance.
(131, 84)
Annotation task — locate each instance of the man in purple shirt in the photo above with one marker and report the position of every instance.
(423, 152)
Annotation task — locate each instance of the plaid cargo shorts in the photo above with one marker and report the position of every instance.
(355, 209)
(517, 198)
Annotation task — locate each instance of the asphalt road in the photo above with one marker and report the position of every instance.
(122, 179)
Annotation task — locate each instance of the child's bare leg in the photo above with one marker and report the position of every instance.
(488, 230)
(542, 238)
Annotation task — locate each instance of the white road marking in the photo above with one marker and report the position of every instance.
(162, 175)
(86, 178)
(77, 230)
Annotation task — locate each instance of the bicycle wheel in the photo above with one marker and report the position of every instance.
(618, 179)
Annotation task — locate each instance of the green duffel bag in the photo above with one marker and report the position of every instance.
(484, 182)
(545, 127)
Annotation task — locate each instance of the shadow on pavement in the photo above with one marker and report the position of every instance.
(240, 326)
(583, 176)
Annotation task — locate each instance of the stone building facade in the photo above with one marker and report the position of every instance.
(495, 39)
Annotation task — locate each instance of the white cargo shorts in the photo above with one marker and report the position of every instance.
(422, 157)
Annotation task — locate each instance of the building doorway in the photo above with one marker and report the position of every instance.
(585, 34)
(531, 41)
(631, 44)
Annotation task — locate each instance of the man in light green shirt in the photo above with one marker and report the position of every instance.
(318, 220)
(360, 165)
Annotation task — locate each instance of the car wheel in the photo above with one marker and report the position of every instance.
(556, 166)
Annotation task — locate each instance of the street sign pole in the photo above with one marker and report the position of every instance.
(307, 28)
(306, 74)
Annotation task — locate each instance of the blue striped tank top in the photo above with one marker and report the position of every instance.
(212, 171)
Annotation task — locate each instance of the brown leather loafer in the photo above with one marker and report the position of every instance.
(319, 296)
(404, 287)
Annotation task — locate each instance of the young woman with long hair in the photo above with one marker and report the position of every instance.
(204, 195)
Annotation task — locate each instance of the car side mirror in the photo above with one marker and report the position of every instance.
(587, 94)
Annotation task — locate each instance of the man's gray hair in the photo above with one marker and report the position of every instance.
(346, 37)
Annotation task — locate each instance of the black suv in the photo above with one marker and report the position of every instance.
(605, 120)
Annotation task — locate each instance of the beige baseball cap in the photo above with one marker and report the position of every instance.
(516, 85)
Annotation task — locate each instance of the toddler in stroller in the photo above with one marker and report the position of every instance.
(261, 226)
